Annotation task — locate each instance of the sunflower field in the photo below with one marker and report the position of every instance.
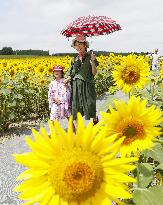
(117, 161)
(24, 85)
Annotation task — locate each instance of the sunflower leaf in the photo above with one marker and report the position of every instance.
(151, 196)
(160, 166)
(156, 153)
(145, 174)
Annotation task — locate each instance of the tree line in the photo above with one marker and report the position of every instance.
(10, 51)
(104, 53)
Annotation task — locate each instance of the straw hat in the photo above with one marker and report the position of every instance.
(79, 38)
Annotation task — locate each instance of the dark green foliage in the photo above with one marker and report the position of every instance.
(6, 51)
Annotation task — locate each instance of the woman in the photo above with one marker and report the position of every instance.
(81, 75)
(155, 60)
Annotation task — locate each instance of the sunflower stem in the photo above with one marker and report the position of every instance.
(129, 95)
(152, 91)
(137, 176)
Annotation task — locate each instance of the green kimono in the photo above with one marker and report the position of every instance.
(83, 88)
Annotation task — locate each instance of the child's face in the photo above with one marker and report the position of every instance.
(57, 74)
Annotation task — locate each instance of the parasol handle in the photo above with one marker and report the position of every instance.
(91, 51)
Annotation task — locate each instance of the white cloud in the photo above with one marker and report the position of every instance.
(37, 23)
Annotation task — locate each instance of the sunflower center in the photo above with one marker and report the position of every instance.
(76, 175)
(79, 177)
(130, 75)
(41, 70)
(12, 72)
(130, 131)
(50, 70)
(132, 128)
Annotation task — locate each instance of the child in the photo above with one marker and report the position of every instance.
(59, 96)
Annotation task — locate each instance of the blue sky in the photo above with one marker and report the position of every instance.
(37, 24)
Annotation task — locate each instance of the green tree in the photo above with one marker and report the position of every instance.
(7, 51)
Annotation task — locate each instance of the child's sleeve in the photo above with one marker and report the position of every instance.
(50, 95)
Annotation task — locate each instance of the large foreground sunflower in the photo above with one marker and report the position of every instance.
(133, 71)
(74, 169)
(135, 122)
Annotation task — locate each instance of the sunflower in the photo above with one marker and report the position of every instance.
(133, 71)
(50, 70)
(12, 72)
(74, 169)
(162, 72)
(135, 122)
(42, 82)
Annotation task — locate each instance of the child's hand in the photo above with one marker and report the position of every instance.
(66, 81)
(66, 85)
(56, 100)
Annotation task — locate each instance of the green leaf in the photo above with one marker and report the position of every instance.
(5, 91)
(151, 196)
(22, 104)
(156, 153)
(18, 96)
(129, 204)
(145, 174)
(11, 116)
(13, 104)
(160, 166)
(145, 168)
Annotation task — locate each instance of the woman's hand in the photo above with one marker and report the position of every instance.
(92, 62)
(93, 57)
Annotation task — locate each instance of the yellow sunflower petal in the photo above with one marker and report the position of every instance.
(31, 174)
(27, 160)
(70, 132)
(48, 196)
(117, 192)
(87, 136)
(40, 150)
(54, 200)
(80, 129)
(120, 161)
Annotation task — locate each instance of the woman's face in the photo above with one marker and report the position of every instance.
(80, 47)
(57, 74)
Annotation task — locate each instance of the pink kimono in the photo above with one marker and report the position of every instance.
(63, 93)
